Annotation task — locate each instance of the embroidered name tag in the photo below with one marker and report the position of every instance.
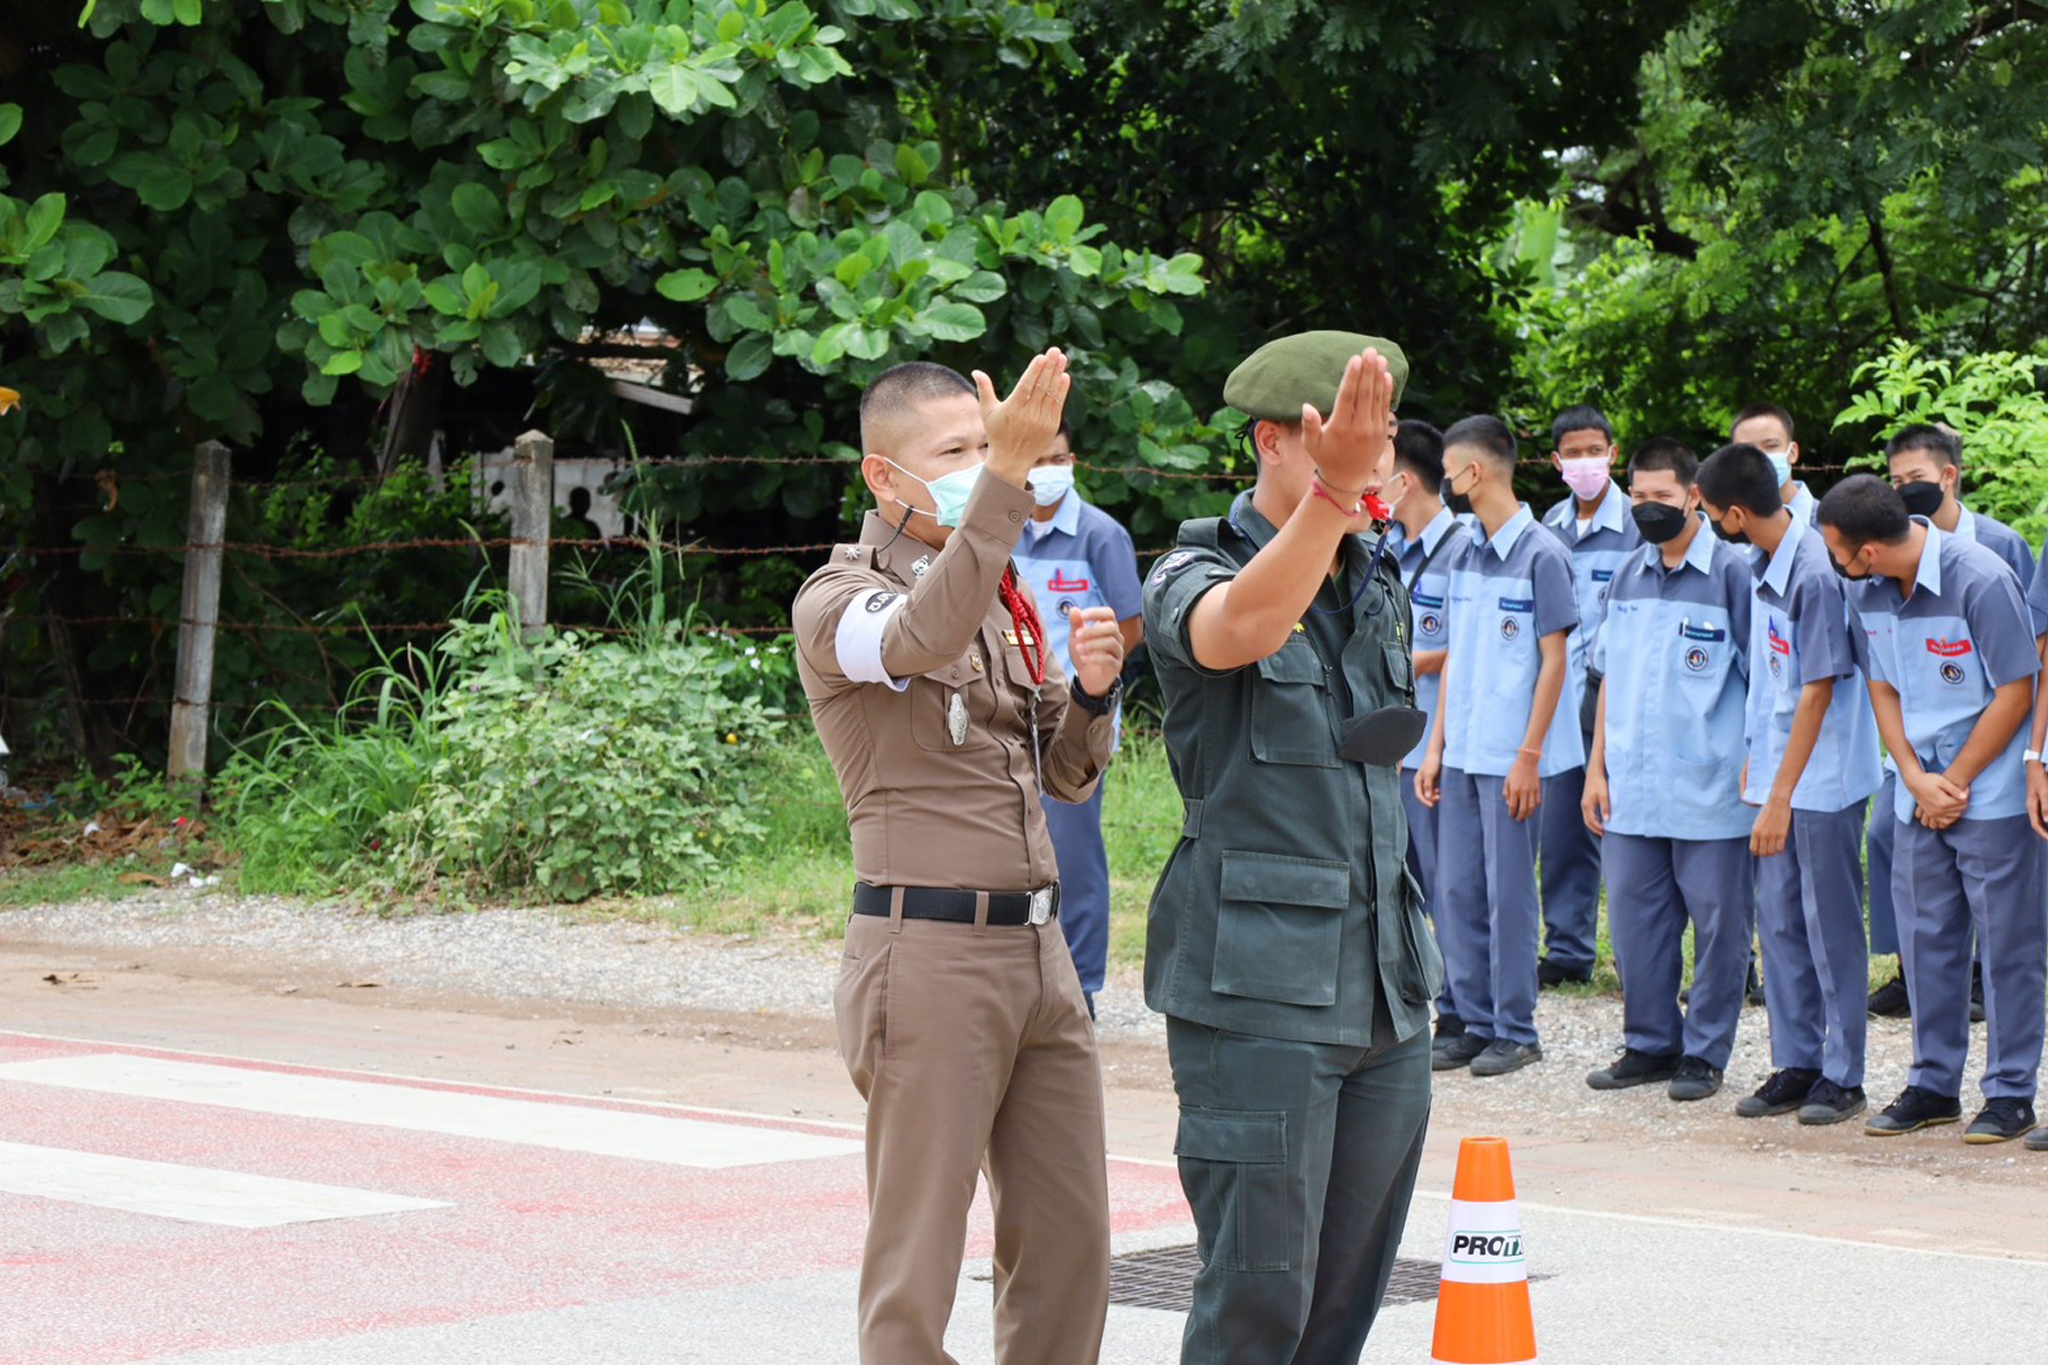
(1423, 599)
(1518, 604)
(1948, 649)
(1602, 575)
(1689, 631)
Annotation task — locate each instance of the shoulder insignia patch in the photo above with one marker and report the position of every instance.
(1171, 564)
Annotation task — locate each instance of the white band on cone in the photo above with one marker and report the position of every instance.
(1484, 1245)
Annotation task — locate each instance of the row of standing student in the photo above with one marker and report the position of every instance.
(1685, 689)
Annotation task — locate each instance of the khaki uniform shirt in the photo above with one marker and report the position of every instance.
(1286, 909)
(927, 710)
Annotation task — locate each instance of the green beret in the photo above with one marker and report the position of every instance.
(1275, 380)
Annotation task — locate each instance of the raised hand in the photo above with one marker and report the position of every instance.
(1022, 425)
(1347, 446)
(1095, 647)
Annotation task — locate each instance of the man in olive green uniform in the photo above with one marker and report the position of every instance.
(945, 715)
(1286, 944)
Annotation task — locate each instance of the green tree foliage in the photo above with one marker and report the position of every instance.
(1338, 163)
(1806, 181)
(221, 218)
(1995, 400)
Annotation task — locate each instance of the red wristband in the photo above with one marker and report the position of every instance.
(1316, 486)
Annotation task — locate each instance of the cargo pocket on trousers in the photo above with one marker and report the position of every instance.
(1279, 925)
(860, 1008)
(1233, 1166)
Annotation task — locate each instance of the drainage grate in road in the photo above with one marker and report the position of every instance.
(1165, 1279)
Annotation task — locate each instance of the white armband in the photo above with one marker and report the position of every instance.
(858, 642)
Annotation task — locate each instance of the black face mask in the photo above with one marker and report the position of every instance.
(1460, 505)
(1659, 522)
(1841, 572)
(1732, 537)
(1921, 499)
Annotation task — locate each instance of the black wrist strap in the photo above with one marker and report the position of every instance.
(1095, 706)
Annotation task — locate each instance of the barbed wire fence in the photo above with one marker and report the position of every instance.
(529, 551)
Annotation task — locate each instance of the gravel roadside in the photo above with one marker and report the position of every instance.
(571, 958)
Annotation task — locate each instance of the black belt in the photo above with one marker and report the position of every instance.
(938, 902)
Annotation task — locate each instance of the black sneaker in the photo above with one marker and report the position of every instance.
(1785, 1091)
(1502, 1056)
(1890, 1000)
(1977, 993)
(1550, 974)
(1831, 1103)
(2037, 1141)
(1449, 1026)
(1448, 1054)
(1693, 1080)
(2000, 1120)
(1912, 1110)
(1632, 1068)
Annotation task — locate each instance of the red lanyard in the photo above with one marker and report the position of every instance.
(1028, 629)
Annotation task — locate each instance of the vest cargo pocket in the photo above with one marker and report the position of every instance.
(1233, 1165)
(1290, 709)
(1400, 667)
(1419, 973)
(1278, 927)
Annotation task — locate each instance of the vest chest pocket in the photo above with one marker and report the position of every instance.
(1279, 926)
(1290, 711)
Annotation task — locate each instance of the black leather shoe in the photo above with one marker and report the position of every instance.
(1890, 1000)
(1785, 1091)
(1550, 974)
(2000, 1120)
(1831, 1103)
(1632, 1068)
(1502, 1056)
(1914, 1109)
(1693, 1080)
(1456, 1050)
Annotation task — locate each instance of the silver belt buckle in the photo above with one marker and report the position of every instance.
(1041, 905)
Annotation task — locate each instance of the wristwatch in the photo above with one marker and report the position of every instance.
(1095, 706)
(2032, 756)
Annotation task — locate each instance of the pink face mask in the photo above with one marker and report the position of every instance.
(1586, 477)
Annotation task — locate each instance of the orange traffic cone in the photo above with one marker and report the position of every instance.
(1482, 1303)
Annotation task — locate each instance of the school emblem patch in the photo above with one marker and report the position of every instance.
(1066, 606)
(1777, 667)
(1429, 623)
(1509, 628)
(1952, 674)
(1696, 659)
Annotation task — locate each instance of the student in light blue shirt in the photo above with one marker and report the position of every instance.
(1812, 765)
(1426, 540)
(1768, 427)
(1663, 784)
(1926, 468)
(1595, 527)
(1952, 664)
(1500, 728)
(1075, 555)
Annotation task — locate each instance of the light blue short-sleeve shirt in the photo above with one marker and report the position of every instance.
(1610, 537)
(1964, 633)
(1801, 632)
(1080, 558)
(1425, 565)
(1675, 652)
(1506, 593)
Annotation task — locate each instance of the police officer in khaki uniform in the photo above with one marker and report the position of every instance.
(1286, 944)
(960, 1017)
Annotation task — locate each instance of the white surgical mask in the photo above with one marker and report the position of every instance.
(1050, 483)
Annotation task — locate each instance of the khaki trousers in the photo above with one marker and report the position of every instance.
(972, 1046)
